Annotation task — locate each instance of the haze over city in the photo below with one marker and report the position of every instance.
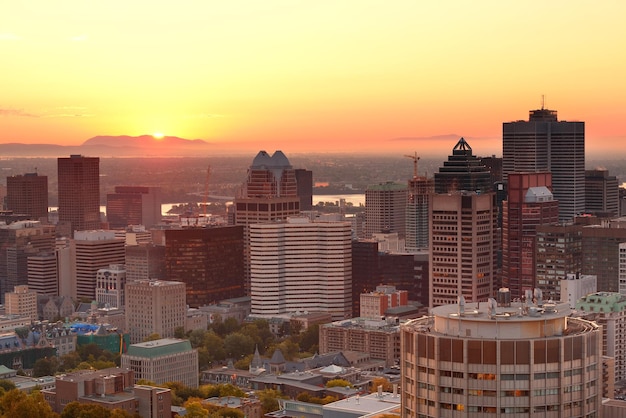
(310, 76)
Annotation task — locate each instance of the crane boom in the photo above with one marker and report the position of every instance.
(415, 159)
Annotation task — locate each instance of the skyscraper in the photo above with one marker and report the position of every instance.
(304, 178)
(28, 194)
(543, 143)
(462, 247)
(18, 241)
(90, 252)
(154, 306)
(134, 205)
(601, 193)
(420, 189)
(270, 193)
(530, 203)
(463, 172)
(385, 209)
(299, 265)
(208, 260)
(79, 193)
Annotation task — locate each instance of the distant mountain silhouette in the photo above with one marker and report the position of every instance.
(113, 146)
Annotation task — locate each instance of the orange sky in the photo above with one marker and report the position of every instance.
(325, 75)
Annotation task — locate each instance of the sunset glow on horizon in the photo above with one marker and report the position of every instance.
(366, 76)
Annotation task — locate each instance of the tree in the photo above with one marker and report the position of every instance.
(310, 339)
(237, 345)
(338, 383)
(380, 381)
(45, 367)
(269, 399)
(7, 385)
(152, 337)
(17, 404)
(85, 410)
(179, 332)
(195, 409)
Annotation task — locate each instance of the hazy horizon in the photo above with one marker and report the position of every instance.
(354, 76)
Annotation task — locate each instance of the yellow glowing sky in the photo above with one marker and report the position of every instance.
(329, 75)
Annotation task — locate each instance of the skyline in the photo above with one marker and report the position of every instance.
(304, 76)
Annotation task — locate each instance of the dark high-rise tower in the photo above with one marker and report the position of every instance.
(79, 192)
(28, 194)
(530, 203)
(543, 143)
(463, 172)
(304, 178)
(208, 260)
(134, 205)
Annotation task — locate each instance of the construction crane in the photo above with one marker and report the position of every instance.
(206, 189)
(415, 159)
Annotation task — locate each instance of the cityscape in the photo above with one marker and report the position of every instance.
(281, 208)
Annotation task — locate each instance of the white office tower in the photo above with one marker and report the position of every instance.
(91, 251)
(575, 286)
(110, 286)
(299, 265)
(622, 268)
(515, 359)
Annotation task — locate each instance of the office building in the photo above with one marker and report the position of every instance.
(270, 193)
(145, 261)
(164, 360)
(530, 203)
(385, 209)
(543, 143)
(463, 172)
(42, 274)
(134, 205)
(111, 286)
(371, 267)
(608, 310)
(208, 260)
(601, 193)
(18, 241)
(375, 304)
(28, 194)
(480, 359)
(463, 243)
(622, 268)
(575, 286)
(304, 180)
(558, 252)
(420, 189)
(378, 338)
(111, 389)
(600, 249)
(79, 193)
(154, 307)
(91, 251)
(299, 265)
(22, 302)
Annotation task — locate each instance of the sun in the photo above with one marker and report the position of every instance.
(158, 135)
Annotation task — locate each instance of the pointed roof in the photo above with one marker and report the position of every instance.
(462, 145)
(277, 357)
(256, 359)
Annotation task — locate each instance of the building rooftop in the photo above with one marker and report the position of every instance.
(513, 320)
(159, 348)
(372, 403)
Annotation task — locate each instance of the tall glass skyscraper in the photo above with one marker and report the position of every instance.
(543, 143)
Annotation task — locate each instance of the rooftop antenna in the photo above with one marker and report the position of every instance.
(543, 101)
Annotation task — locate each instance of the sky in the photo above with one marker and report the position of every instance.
(324, 75)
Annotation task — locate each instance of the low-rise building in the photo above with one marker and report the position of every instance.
(379, 338)
(162, 361)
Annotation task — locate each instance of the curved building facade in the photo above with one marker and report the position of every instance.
(519, 360)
